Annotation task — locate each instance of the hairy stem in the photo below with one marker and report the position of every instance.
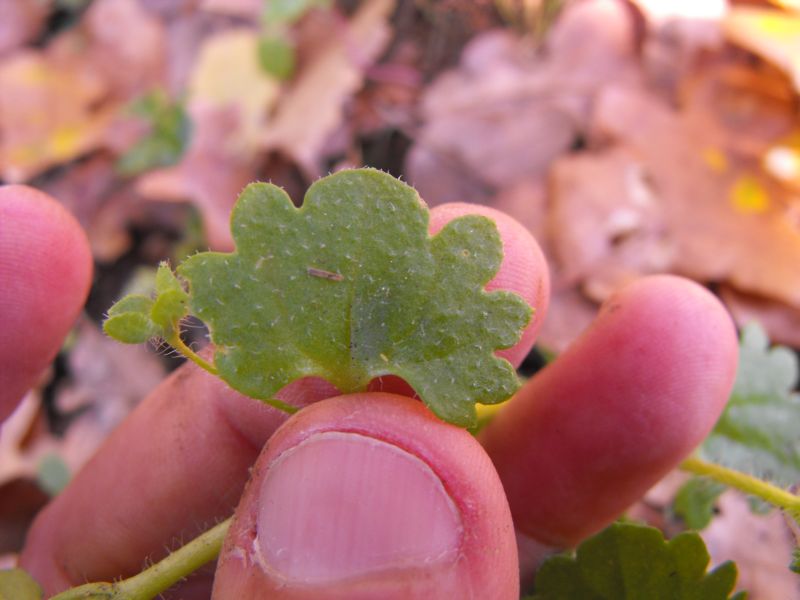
(746, 483)
(176, 342)
(161, 576)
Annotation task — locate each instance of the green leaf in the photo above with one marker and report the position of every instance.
(16, 584)
(53, 474)
(164, 145)
(129, 320)
(350, 287)
(633, 562)
(758, 432)
(695, 501)
(136, 318)
(276, 56)
(170, 304)
(287, 12)
(795, 564)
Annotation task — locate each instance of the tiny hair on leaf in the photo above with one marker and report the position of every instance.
(348, 287)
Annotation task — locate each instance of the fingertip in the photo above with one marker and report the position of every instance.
(635, 394)
(367, 496)
(46, 269)
(523, 270)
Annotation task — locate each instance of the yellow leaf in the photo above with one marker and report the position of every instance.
(772, 34)
(227, 74)
(748, 195)
(715, 159)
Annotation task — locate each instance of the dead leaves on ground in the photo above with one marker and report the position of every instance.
(648, 145)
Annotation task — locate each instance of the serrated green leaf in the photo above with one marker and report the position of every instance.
(350, 287)
(695, 501)
(758, 432)
(164, 144)
(627, 561)
(276, 56)
(16, 584)
(795, 564)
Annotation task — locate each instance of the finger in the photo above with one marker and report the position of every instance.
(626, 403)
(523, 271)
(370, 496)
(174, 467)
(212, 436)
(45, 273)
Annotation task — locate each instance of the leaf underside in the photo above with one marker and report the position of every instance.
(758, 431)
(627, 561)
(349, 287)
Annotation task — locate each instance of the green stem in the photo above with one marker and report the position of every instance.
(746, 483)
(281, 405)
(176, 342)
(161, 576)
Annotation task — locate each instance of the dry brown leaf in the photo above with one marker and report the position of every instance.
(780, 321)
(313, 107)
(48, 113)
(606, 221)
(227, 76)
(91, 192)
(568, 315)
(715, 238)
(211, 174)
(126, 46)
(506, 113)
(761, 546)
(20, 22)
(772, 34)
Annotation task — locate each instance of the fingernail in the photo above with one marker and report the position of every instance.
(344, 505)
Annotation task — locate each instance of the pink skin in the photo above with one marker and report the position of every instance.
(632, 397)
(79, 537)
(45, 270)
(426, 530)
(624, 405)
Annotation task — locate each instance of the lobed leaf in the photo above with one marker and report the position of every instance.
(627, 561)
(696, 500)
(758, 433)
(350, 287)
(137, 318)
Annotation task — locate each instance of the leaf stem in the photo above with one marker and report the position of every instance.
(176, 342)
(281, 405)
(161, 576)
(744, 482)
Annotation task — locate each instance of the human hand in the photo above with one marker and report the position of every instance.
(381, 500)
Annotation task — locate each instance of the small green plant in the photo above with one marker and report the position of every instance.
(325, 290)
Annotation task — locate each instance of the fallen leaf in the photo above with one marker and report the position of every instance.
(606, 221)
(48, 113)
(780, 321)
(211, 173)
(712, 240)
(228, 76)
(313, 106)
(20, 22)
(507, 112)
(772, 34)
(760, 545)
(126, 46)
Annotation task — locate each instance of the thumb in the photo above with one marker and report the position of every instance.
(370, 496)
